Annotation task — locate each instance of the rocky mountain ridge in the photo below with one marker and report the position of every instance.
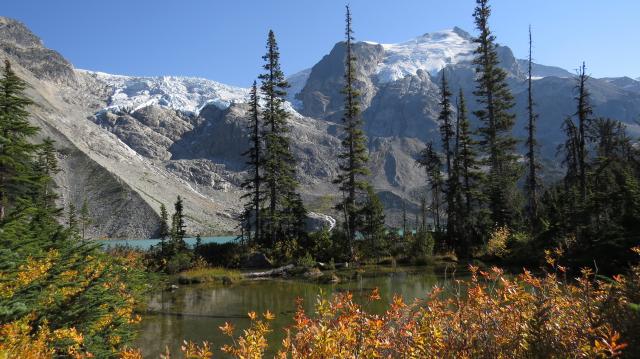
(130, 143)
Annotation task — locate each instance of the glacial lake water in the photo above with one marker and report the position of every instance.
(145, 244)
(195, 312)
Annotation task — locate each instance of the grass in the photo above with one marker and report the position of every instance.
(209, 275)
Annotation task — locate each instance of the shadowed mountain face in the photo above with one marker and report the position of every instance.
(128, 144)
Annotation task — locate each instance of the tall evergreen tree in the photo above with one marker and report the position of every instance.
(448, 137)
(163, 231)
(469, 199)
(467, 159)
(353, 158)
(430, 160)
(495, 103)
(47, 167)
(72, 222)
(178, 226)
(85, 218)
(17, 178)
(532, 182)
(285, 213)
(255, 162)
(583, 113)
(446, 126)
(373, 228)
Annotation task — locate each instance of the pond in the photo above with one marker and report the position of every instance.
(195, 312)
(145, 244)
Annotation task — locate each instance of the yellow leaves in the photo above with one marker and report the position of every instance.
(227, 329)
(31, 271)
(70, 334)
(130, 353)
(191, 350)
(498, 239)
(19, 339)
(268, 315)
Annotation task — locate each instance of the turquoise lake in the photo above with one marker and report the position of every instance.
(145, 244)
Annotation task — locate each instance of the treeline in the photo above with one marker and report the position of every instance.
(482, 193)
(493, 198)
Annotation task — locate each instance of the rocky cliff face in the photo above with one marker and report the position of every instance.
(128, 144)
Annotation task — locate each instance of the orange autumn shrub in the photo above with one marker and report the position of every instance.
(494, 317)
(491, 315)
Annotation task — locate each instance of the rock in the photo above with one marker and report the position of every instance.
(313, 273)
(256, 260)
(329, 278)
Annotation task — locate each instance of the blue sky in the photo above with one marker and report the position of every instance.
(224, 40)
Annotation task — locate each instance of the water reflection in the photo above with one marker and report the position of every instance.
(195, 312)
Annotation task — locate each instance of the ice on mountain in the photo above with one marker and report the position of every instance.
(187, 94)
(430, 52)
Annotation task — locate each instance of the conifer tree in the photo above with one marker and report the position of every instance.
(16, 173)
(373, 228)
(449, 140)
(253, 182)
(85, 218)
(495, 103)
(404, 219)
(285, 213)
(72, 222)
(178, 226)
(583, 113)
(353, 158)
(430, 160)
(46, 168)
(532, 181)
(423, 212)
(163, 231)
(49, 278)
(467, 159)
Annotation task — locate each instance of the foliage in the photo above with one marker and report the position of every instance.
(489, 316)
(354, 157)
(430, 160)
(497, 245)
(209, 274)
(285, 213)
(226, 255)
(373, 228)
(306, 261)
(57, 294)
(252, 209)
(496, 141)
(423, 245)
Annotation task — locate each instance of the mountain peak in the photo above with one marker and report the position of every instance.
(430, 52)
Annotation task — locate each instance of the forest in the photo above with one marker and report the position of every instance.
(486, 207)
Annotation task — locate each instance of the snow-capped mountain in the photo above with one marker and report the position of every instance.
(187, 94)
(149, 139)
(430, 52)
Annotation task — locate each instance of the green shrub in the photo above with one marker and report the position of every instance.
(179, 262)
(220, 254)
(306, 261)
